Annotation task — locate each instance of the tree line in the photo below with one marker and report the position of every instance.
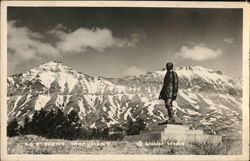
(55, 124)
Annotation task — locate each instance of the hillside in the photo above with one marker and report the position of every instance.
(206, 100)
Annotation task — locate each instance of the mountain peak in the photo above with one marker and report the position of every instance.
(53, 66)
(54, 62)
(193, 68)
(199, 69)
(52, 71)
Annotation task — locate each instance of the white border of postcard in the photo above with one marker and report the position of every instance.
(160, 4)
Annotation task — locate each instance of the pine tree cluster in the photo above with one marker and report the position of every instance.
(55, 124)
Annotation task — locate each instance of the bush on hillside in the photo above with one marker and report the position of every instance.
(12, 128)
(55, 124)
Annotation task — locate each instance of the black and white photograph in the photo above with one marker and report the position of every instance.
(115, 80)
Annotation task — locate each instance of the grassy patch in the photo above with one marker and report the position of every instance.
(31, 144)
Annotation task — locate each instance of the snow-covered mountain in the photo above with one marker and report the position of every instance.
(207, 99)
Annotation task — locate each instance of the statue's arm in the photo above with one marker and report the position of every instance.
(175, 84)
(162, 93)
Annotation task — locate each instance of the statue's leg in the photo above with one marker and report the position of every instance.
(174, 110)
(169, 106)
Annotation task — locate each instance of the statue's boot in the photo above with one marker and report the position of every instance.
(163, 123)
(171, 115)
(171, 120)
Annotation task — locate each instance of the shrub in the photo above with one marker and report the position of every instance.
(55, 124)
(208, 148)
(12, 128)
(134, 127)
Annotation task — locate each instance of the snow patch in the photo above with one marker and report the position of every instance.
(82, 109)
(41, 101)
(71, 108)
(93, 125)
(192, 112)
(104, 109)
(189, 97)
(175, 105)
(90, 100)
(59, 101)
(15, 104)
(47, 78)
(204, 122)
(127, 113)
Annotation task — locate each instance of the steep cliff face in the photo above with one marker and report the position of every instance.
(207, 99)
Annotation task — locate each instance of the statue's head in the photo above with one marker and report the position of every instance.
(169, 66)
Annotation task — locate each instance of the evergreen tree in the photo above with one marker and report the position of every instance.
(73, 119)
(105, 133)
(41, 125)
(12, 128)
(139, 123)
(130, 127)
(26, 128)
(96, 133)
(134, 127)
(60, 122)
(51, 124)
(54, 124)
(33, 123)
(72, 125)
(117, 129)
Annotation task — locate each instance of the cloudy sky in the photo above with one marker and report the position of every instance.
(114, 42)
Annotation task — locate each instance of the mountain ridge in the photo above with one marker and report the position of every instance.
(103, 102)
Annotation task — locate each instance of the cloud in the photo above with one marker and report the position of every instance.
(81, 39)
(198, 53)
(133, 71)
(134, 39)
(25, 44)
(229, 40)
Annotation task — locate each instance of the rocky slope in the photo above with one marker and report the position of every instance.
(207, 99)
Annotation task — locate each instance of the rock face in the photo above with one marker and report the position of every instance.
(207, 99)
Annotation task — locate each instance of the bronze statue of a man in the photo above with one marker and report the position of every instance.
(169, 90)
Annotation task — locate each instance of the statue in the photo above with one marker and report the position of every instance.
(169, 91)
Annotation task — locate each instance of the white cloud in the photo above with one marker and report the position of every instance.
(198, 53)
(25, 45)
(229, 40)
(133, 71)
(81, 39)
